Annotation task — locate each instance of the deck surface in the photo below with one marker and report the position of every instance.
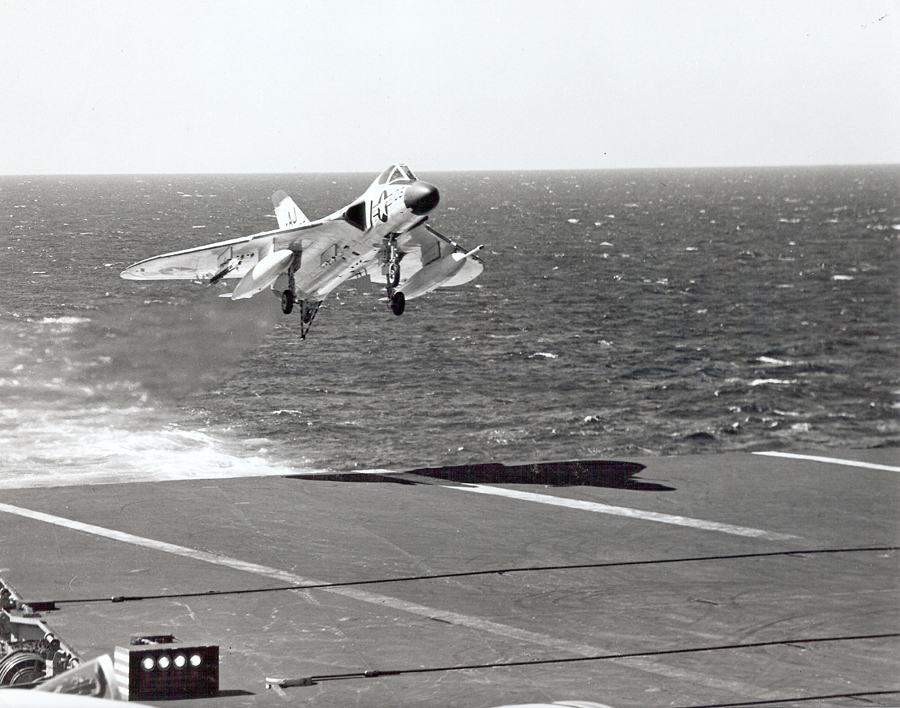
(702, 580)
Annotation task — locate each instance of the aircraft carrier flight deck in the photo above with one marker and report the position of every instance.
(732, 579)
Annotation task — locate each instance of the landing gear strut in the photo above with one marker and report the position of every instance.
(390, 257)
(393, 277)
(308, 308)
(391, 261)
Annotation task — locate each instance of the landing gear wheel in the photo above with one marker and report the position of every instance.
(398, 303)
(393, 274)
(287, 301)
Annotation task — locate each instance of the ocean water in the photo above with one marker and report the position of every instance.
(620, 313)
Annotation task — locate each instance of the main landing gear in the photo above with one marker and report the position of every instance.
(287, 301)
(308, 308)
(393, 275)
(391, 256)
(390, 261)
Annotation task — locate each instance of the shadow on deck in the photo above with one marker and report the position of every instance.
(573, 473)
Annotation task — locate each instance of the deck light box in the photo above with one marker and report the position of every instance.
(167, 671)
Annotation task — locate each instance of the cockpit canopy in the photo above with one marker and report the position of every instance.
(396, 174)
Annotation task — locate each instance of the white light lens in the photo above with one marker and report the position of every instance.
(164, 662)
(195, 660)
(180, 661)
(147, 663)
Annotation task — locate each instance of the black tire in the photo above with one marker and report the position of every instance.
(393, 275)
(287, 302)
(398, 303)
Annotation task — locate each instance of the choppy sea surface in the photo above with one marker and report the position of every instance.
(643, 312)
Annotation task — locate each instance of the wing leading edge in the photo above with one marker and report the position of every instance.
(200, 262)
(238, 255)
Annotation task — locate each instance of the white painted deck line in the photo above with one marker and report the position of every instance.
(625, 511)
(831, 460)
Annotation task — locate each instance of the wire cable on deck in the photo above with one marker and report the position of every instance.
(49, 604)
(801, 699)
(376, 673)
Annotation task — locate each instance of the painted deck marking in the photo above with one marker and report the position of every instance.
(831, 460)
(648, 665)
(193, 553)
(625, 511)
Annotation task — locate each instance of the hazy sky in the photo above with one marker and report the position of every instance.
(140, 86)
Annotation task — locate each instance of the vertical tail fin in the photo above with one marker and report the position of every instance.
(287, 213)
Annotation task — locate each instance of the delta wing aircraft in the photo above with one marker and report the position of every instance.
(382, 235)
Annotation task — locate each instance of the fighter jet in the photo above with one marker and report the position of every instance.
(382, 235)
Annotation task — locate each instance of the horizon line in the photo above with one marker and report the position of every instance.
(477, 170)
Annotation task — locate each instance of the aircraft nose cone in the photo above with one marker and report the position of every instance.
(421, 197)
